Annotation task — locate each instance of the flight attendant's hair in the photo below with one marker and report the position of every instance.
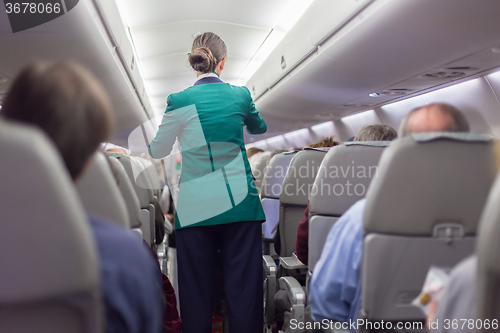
(67, 103)
(207, 52)
(202, 60)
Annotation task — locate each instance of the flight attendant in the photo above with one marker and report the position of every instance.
(218, 207)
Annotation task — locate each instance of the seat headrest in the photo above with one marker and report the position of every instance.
(344, 176)
(275, 173)
(300, 176)
(99, 192)
(488, 247)
(489, 231)
(149, 171)
(127, 191)
(144, 194)
(430, 179)
(45, 240)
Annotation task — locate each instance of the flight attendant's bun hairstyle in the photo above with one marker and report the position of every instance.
(207, 52)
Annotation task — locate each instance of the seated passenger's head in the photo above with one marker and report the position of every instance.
(252, 151)
(117, 150)
(325, 143)
(376, 132)
(436, 117)
(68, 103)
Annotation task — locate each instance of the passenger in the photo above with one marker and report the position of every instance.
(117, 150)
(65, 101)
(335, 288)
(376, 132)
(221, 111)
(252, 151)
(325, 143)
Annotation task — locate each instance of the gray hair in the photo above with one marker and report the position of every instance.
(460, 123)
(376, 132)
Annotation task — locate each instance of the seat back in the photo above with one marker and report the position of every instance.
(488, 248)
(100, 194)
(127, 191)
(421, 210)
(344, 177)
(294, 194)
(49, 280)
(270, 192)
(150, 172)
(144, 192)
(259, 170)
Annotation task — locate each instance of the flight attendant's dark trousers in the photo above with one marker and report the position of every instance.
(241, 248)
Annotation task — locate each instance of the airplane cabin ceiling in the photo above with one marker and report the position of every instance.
(163, 32)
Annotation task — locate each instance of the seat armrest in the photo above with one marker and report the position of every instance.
(269, 265)
(297, 298)
(270, 271)
(293, 289)
(292, 262)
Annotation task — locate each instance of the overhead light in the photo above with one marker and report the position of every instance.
(322, 127)
(290, 15)
(275, 139)
(297, 133)
(375, 95)
(358, 115)
(250, 69)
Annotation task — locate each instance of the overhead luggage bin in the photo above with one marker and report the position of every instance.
(388, 48)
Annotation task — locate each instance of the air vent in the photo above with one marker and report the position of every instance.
(462, 68)
(355, 105)
(391, 92)
(443, 75)
(283, 62)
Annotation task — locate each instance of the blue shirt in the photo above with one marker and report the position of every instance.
(335, 289)
(130, 281)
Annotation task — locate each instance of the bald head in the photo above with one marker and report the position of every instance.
(436, 117)
(117, 150)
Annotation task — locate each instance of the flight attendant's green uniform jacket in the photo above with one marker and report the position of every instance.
(216, 185)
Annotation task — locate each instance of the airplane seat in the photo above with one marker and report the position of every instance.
(343, 178)
(99, 192)
(270, 193)
(260, 169)
(295, 194)
(144, 194)
(127, 191)
(144, 178)
(49, 279)
(421, 210)
(488, 247)
(293, 199)
(152, 175)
